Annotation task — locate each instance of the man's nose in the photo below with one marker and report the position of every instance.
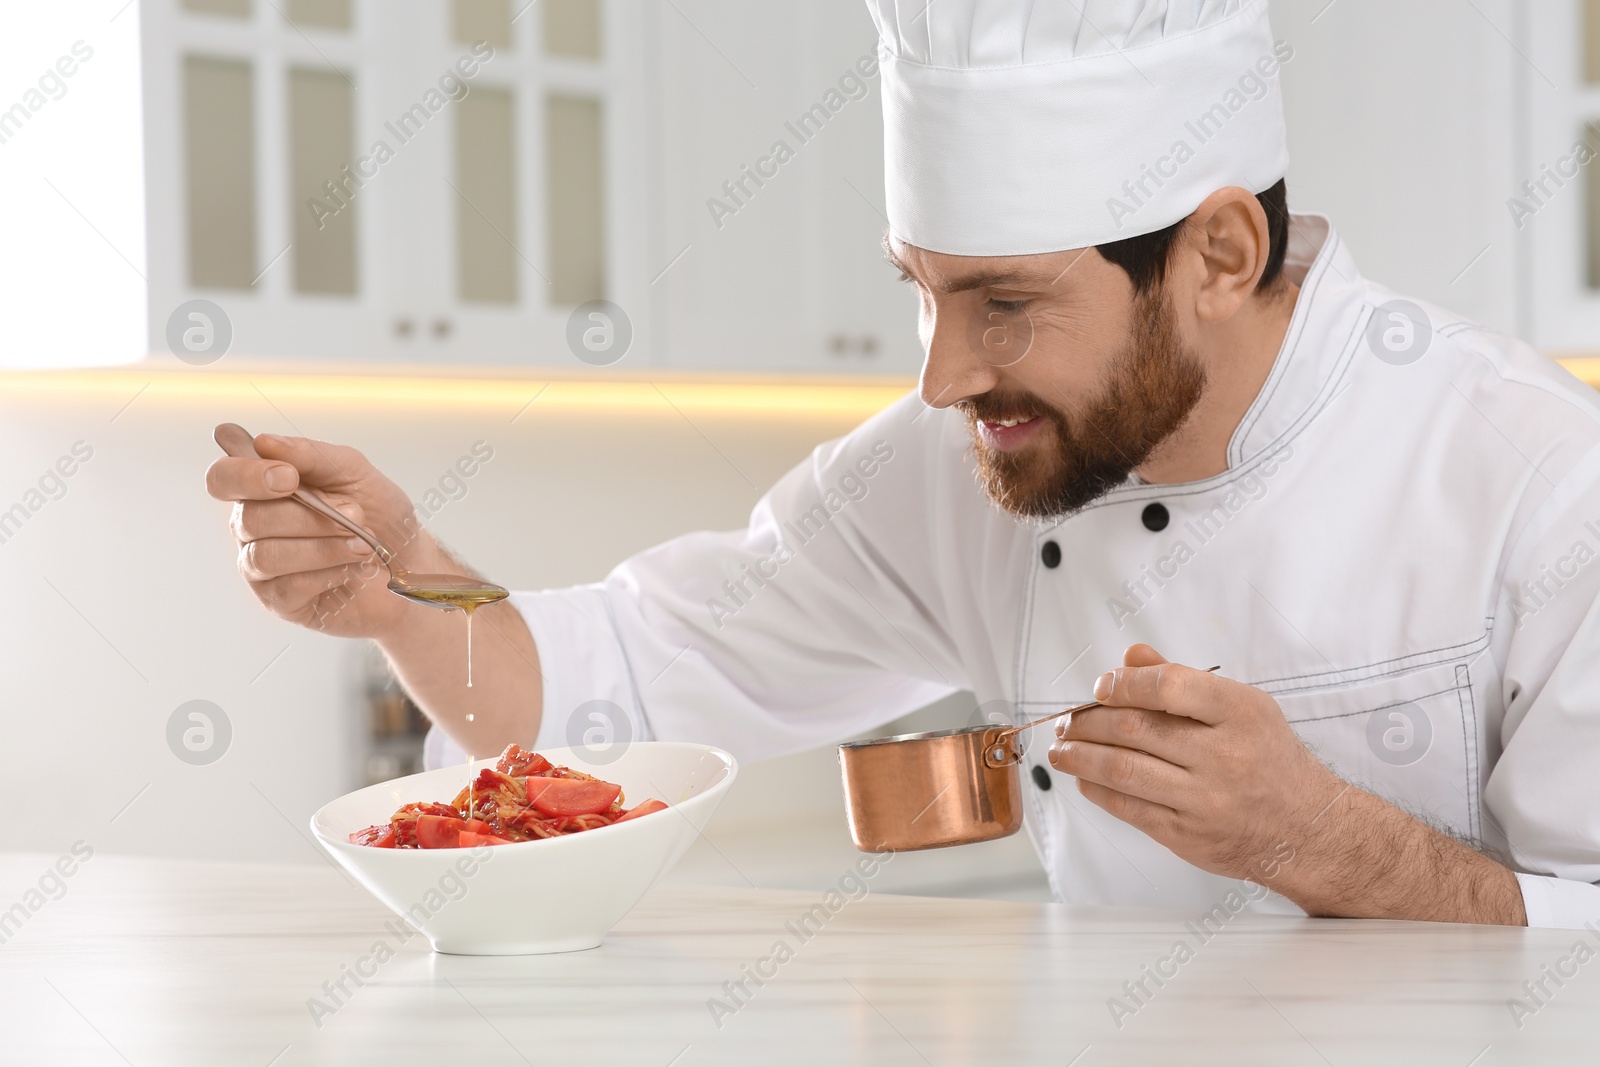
(957, 364)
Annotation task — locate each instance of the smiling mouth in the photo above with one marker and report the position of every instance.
(1009, 434)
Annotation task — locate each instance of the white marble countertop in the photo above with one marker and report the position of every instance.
(145, 961)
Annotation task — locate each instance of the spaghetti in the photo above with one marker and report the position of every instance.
(523, 797)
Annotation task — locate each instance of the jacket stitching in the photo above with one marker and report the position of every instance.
(1334, 676)
(1465, 697)
(1314, 280)
(1378, 707)
(1042, 835)
(1337, 679)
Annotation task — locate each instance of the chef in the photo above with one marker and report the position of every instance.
(1162, 424)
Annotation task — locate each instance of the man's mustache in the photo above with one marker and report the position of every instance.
(992, 407)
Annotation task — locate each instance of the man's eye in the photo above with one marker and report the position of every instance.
(906, 277)
(1008, 307)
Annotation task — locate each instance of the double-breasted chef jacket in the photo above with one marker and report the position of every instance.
(1402, 552)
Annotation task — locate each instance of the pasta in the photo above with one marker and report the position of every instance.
(523, 797)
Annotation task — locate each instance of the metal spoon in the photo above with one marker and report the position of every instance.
(445, 591)
(1000, 753)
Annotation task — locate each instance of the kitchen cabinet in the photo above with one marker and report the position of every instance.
(416, 181)
(1554, 204)
(665, 192)
(459, 183)
(772, 193)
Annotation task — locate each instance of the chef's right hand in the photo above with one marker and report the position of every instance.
(303, 566)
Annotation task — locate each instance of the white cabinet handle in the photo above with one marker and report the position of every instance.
(864, 345)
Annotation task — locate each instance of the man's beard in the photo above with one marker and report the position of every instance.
(1155, 382)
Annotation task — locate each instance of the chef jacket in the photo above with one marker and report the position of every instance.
(1401, 552)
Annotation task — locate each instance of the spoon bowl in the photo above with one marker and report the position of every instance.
(446, 591)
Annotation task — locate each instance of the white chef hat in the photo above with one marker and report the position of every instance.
(1020, 126)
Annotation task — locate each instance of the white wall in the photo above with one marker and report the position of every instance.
(126, 601)
(1402, 129)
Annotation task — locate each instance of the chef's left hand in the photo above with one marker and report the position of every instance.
(1205, 765)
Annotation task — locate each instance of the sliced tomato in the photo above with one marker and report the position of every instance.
(442, 831)
(649, 807)
(516, 762)
(380, 836)
(438, 831)
(570, 796)
(470, 839)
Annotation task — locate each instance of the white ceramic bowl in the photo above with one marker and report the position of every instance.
(559, 894)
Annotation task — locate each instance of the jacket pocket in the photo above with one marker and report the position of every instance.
(1412, 738)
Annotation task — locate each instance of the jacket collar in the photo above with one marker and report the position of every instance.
(1323, 333)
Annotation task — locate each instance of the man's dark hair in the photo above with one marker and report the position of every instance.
(1145, 257)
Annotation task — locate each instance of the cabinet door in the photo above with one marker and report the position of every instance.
(769, 206)
(525, 206)
(437, 181)
(1555, 208)
(255, 115)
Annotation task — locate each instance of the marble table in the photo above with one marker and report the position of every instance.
(143, 961)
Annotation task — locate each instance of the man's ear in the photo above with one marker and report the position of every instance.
(1229, 243)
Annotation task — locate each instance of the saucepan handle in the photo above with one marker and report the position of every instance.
(998, 749)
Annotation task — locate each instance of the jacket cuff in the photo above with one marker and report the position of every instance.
(584, 666)
(1559, 903)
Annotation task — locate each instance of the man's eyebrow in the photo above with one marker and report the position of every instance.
(977, 280)
(999, 279)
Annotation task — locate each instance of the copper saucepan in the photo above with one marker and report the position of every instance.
(954, 787)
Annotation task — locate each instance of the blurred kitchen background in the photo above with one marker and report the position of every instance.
(201, 225)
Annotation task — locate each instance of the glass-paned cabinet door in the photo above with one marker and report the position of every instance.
(1555, 204)
(533, 195)
(396, 180)
(254, 113)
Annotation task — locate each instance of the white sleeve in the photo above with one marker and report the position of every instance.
(822, 619)
(1560, 903)
(1544, 791)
